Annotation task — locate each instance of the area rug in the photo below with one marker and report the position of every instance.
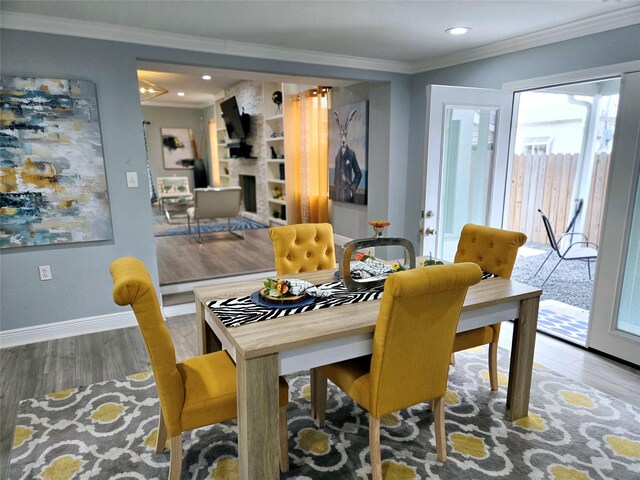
(108, 430)
(179, 226)
(563, 321)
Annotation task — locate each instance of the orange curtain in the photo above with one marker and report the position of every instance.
(307, 176)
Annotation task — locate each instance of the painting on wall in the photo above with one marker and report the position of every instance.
(177, 148)
(348, 139)
(53, 188)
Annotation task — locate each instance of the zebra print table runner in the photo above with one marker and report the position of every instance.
(234, 312)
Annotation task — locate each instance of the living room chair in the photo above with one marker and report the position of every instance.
(197, 392)
(495, 252)
(305, 247)
(579, 250)
(172, 190)
(213, 203)
(412, 342)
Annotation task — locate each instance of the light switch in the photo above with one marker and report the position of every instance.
(132, 179)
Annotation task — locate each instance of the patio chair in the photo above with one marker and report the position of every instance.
(579, 250)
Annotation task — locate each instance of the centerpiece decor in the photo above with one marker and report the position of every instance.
(378, 227)
(279, 292)
(430, 261)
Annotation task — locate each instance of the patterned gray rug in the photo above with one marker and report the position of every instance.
(178, 226)
(107, 430)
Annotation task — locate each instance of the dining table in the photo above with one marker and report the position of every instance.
(264, 350)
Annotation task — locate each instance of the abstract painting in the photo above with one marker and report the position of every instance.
(53, 188)
(348, 139)
(177, 147)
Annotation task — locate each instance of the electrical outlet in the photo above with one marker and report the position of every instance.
(45, 272)
(132, 179)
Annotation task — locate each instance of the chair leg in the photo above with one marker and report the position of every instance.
(199, 235)
(189, 223)
(284, 440)
(452, 360)
(542, 264)
(551, 272)
(441, 436)
(493, 365)
(162, 434)
(320, 400)
(175, 462)
(374, 448)
(589, 268)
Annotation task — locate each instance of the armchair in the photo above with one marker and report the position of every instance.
(212, 203)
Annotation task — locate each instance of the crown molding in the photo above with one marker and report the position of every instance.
(169, 103)
(116, 33)
(580, 28)
(80, 28)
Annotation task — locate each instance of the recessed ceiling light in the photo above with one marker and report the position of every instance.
(457, 30)
(180, 94)
(206, 77)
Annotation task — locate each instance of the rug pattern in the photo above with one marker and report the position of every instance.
(179, 226)
(108, 430)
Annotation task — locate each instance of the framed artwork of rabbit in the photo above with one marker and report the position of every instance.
(348, 139)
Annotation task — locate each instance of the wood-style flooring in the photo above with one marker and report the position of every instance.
(182, 259)
(40, 368)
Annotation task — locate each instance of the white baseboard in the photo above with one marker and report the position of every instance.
(81, 326)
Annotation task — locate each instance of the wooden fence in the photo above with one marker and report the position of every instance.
(546, 182)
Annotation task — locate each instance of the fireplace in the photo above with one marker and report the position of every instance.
(248, 184)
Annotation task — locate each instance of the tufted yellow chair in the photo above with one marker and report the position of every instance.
(305, 247)
(495, 251)
(416, 326)
(197, 392)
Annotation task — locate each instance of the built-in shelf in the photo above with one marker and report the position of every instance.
(278, 221)
(275, 180)
(224, 175)
(275, 139)
(275, 160)
(279, 202)
(274, 118)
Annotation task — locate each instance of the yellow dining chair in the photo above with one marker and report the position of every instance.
(197, 392)
(495, 251)
(414, 333)
(305, 247)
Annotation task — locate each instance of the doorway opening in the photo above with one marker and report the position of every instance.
(560, 166)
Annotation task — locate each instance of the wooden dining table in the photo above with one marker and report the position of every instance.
(264, 350)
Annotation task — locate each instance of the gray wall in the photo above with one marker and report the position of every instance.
(161, 117)
(81, 285)
(607, 48)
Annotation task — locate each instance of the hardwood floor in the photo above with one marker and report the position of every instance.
(40, 368)
(182, 259)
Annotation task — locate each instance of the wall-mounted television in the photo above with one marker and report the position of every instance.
(237, 124)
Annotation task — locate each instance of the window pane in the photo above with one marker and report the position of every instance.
(628, 317)
(467, 170)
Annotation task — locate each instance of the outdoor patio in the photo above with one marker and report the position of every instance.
(566, 298)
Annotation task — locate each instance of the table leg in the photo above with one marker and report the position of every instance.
(522, 348)
(258, 447)
(207, 340)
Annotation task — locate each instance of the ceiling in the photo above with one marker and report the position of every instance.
(403, 36)
(404, 32)
(200, 93)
